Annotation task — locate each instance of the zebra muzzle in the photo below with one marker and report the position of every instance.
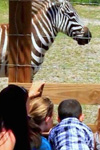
(85, 38)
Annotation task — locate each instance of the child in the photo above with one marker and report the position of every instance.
(40, 120)
(71, 133)
(97, 134)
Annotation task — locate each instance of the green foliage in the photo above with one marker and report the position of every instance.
(86, 1)
(4, 8)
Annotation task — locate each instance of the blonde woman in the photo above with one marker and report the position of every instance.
(40, 120)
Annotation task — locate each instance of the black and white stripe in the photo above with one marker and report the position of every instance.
(47, 20)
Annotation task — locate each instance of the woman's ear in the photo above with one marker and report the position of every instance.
(81, 117)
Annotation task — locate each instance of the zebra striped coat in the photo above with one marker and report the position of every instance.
(47, 20)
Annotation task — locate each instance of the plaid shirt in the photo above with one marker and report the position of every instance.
(71, 134)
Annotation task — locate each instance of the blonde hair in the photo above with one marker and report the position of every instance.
(39, 109)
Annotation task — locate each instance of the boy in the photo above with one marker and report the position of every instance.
(71, 133)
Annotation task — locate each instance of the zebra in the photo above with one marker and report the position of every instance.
(48, 18)
(4, 50)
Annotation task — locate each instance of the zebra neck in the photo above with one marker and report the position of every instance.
(43, 30)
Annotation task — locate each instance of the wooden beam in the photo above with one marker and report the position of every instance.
(19, 41)
(88, 94)
(84, 93)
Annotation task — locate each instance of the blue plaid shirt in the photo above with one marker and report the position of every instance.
(71, 134)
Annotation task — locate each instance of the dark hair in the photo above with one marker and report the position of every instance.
(13, 114)
(69, 108)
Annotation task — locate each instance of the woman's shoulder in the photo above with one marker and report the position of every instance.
(45, 144)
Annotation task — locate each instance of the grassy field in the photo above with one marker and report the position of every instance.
(68, 62)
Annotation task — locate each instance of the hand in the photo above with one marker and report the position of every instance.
(7, 140)
(36, 89)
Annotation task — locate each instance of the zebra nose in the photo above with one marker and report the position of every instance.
(86, 37)
(87, 33)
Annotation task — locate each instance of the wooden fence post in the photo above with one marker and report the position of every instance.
(19, 41)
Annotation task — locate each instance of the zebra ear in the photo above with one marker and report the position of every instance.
(57, 2)
(60, 1)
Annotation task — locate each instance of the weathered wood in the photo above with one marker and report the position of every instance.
(19, 41)
(84, 93)
(88, 94)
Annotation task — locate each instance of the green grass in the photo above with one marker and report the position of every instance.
(88, 11)
(4, 11)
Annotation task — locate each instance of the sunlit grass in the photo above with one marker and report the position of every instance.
(4, 11)
(88, 11)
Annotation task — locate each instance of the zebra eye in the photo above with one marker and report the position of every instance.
(66, 14)
(71, 14)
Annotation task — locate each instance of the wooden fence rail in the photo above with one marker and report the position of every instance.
(88, 94)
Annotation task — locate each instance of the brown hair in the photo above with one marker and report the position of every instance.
(39, 109)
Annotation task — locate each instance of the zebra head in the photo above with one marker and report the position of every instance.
(68, 22)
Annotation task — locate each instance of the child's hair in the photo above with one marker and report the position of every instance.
(39, 109)
(98, 121)
(69, 108)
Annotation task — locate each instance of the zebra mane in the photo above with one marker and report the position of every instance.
(38, 5)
